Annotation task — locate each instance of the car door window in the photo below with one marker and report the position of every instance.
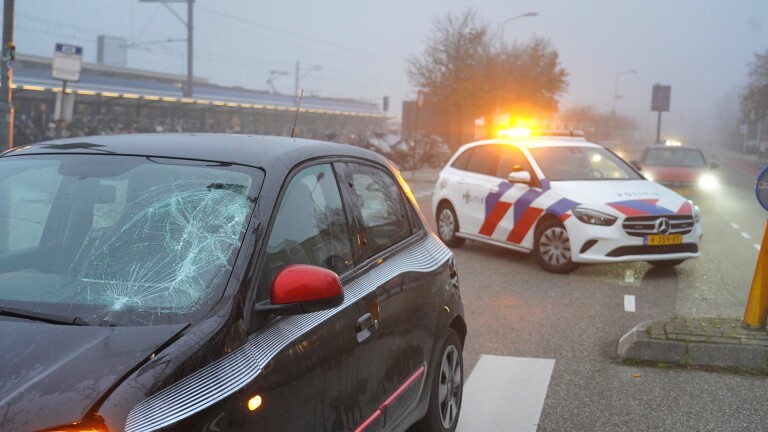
(463, 159)
(311, 226)
(512, 159)
(382, 209)
(483, 160)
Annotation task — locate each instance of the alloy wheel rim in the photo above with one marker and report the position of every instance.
(555, 246)
(446, 224)
(449, 386)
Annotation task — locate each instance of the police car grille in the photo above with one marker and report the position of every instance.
(639, 226)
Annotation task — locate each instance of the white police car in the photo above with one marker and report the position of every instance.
(563, 199)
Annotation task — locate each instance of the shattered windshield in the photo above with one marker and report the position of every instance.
(129, 240)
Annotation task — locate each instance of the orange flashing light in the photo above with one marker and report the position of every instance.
(515, 132)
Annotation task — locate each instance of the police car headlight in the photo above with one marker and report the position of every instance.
(708, 182)
(593, 217)
(696, 212)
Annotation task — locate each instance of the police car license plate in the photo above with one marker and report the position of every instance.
(660, 239)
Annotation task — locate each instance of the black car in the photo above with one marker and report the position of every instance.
(221, 282)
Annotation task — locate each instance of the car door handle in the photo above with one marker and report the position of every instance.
(366, 323)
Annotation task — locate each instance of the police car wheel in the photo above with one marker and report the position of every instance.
(448, 226)
(665, 263)
(552, 248)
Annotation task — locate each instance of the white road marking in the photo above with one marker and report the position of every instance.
(745, 235)
(629, 303)
(505, 394)
(629, 276)
(734, 225)
(757, 246)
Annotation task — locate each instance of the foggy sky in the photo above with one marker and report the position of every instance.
(699, 47)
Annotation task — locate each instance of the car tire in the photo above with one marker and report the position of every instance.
(448, 226)
(552, 248)
(666, 263)
(447, 389)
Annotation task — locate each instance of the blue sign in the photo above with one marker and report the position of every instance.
(69, 49)
(761, 188)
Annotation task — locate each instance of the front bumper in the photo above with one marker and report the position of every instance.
(600, 244)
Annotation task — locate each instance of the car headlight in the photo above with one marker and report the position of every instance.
(696, 212)
(593, 217)
(708, 182)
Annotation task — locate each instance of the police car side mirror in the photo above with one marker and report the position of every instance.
(519, 177)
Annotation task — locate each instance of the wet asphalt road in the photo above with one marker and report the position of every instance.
(514, 308)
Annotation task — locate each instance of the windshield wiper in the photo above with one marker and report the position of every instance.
(44, 317)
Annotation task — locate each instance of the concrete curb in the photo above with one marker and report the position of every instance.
(714, 342)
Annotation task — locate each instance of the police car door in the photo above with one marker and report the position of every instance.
(473, 187)
(511, 215)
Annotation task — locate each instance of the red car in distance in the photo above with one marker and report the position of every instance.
(682, 169)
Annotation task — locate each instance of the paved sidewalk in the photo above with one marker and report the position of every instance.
(713, 341)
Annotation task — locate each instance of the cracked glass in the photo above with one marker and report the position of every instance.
(120, 239)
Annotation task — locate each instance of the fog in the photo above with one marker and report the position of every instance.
(700, 48)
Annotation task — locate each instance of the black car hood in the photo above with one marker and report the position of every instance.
(53, 374)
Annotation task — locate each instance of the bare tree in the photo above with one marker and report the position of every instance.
(464, 66)
(754, 100)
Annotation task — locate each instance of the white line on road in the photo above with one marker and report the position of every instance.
(745, 235)
(505, 394)
(629, 276)
(734, 225)
(629, 303)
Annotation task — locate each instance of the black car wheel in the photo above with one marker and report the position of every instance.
(552, 249)
(448, 226)
(447, 387)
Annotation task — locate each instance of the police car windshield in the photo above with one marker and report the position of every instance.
(581, 163)
(675, 157)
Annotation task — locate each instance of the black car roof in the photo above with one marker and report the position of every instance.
(255, 150)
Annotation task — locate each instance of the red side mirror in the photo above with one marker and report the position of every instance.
(303, 288)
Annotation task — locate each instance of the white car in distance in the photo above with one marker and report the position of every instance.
(563, 199)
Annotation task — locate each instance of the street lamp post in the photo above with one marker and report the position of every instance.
(615, 96)
(500, 31)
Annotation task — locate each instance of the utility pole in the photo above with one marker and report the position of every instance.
(6, 78)
(188, 87)
(299, 76)
(190, 63)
